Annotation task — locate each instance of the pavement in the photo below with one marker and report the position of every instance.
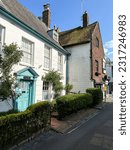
(73, 120)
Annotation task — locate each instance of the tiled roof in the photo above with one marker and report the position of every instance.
(20, 12)
(77, 35)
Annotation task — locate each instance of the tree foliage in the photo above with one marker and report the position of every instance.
(11, 56)
(68, 88)
(54, 78)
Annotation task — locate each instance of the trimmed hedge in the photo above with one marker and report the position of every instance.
(71, 103)
(8, 112)
(17, 127)
(96, 94)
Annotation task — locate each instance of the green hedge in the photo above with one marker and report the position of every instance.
(17, 127)
(72, 103)
(8, 112)
(96, 94)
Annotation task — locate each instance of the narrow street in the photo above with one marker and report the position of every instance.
(94, 134)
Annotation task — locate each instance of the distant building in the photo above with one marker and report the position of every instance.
(109, 72)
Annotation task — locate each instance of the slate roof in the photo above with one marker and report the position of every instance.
(77, 35)
(20, 12)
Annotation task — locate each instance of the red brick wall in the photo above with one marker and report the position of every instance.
(97, 54)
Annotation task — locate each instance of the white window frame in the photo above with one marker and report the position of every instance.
(2, 37)
(60, 62)
(27, 51)
(47, 57)
(45, 90)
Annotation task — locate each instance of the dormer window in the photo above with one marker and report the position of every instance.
(97, 42)
(55, 37)
(53, 34)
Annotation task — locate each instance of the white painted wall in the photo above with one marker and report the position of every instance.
(14, 33)
(79, 67)
(6, 105)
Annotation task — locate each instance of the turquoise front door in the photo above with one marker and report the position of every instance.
(26, 89)
(25, 95)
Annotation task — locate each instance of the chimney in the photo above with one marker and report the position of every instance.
(85, 19)
(46, 15)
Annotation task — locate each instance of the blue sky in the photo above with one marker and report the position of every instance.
(67, 14)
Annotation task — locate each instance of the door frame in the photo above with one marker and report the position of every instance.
(27, 74)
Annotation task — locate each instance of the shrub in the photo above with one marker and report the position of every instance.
(68, 88)
(8, 112)
(19, 126)
(72, 103)
(96, 94)
(53, 105)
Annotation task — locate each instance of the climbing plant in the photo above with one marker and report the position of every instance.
(54, 77)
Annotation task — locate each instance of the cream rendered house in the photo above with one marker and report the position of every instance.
(41, 52)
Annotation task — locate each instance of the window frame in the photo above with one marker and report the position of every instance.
(45, 86)
(2, 39)
(60, 62)
(29, 51)
(97, 42)
(97, 65)
(46, 47)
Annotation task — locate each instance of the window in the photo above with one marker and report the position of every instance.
(104, 66)
(47, 57)
(60, 64)
(45, 90)
(27, 48)
(55, 37)
(97, 42)
(97, 65)
(2, 32)
(45, 86)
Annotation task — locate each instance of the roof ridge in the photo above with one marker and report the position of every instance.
(70, 29)
(79, 27)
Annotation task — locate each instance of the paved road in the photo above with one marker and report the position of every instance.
(94, 134)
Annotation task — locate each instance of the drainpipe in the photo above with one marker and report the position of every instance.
(67, 69)
(91, 60)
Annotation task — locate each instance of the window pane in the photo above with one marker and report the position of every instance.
(59, 62)
(27, 48)
(47, 57)
(1, 38)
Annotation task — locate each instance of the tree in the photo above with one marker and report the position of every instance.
(54, 78)
(68, 88)
(11, 56)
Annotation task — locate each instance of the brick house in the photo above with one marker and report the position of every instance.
(86, 64)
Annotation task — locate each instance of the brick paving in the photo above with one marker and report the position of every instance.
(69, 121)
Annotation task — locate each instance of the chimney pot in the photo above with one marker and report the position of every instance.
(46, 6)
(85, 19)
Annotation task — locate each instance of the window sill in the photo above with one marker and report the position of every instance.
(47, 69)
(26, 64)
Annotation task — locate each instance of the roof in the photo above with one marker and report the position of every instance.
(21, 13)
(77, 35)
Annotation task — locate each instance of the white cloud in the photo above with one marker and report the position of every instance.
(110, 53)
(105, 50)
(108, 44)
(108, 49)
